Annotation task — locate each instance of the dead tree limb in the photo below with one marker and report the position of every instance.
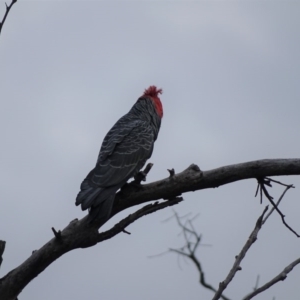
(192, 179)
(78, 234)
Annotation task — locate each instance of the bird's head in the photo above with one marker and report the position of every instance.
(152, 92)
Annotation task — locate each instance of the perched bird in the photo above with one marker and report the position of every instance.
(124, 151)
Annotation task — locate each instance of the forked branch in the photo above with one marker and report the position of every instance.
(192, 243)
(8, 7)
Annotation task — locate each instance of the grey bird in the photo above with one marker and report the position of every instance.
(124, 151)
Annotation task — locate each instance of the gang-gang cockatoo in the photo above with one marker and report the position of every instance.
(124, 151)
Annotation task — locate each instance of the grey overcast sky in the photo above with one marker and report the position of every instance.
(230, 72)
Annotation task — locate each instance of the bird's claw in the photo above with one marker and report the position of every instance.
(139, 177)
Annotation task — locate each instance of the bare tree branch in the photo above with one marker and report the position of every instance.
(280, 277)
(8, 7)
(192, 179)
(79, 234)
(236, 266)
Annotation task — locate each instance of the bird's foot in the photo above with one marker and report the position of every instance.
(139, 177)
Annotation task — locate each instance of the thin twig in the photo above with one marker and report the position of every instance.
(158, 255)
(281, 276)
(262, 182)
(173, 216)
(184, 228)
(192, 242)
(2, 248)
(148, 209)
(277, 203)
(278, 210)
(8, 7)
(278, 182)
(236, 266)
(256, 283)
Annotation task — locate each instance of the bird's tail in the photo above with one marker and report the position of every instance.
(102, 211)
(98, 200)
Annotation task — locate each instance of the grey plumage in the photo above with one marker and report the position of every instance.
(124, 151)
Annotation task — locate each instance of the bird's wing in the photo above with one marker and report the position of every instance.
(124, 151)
